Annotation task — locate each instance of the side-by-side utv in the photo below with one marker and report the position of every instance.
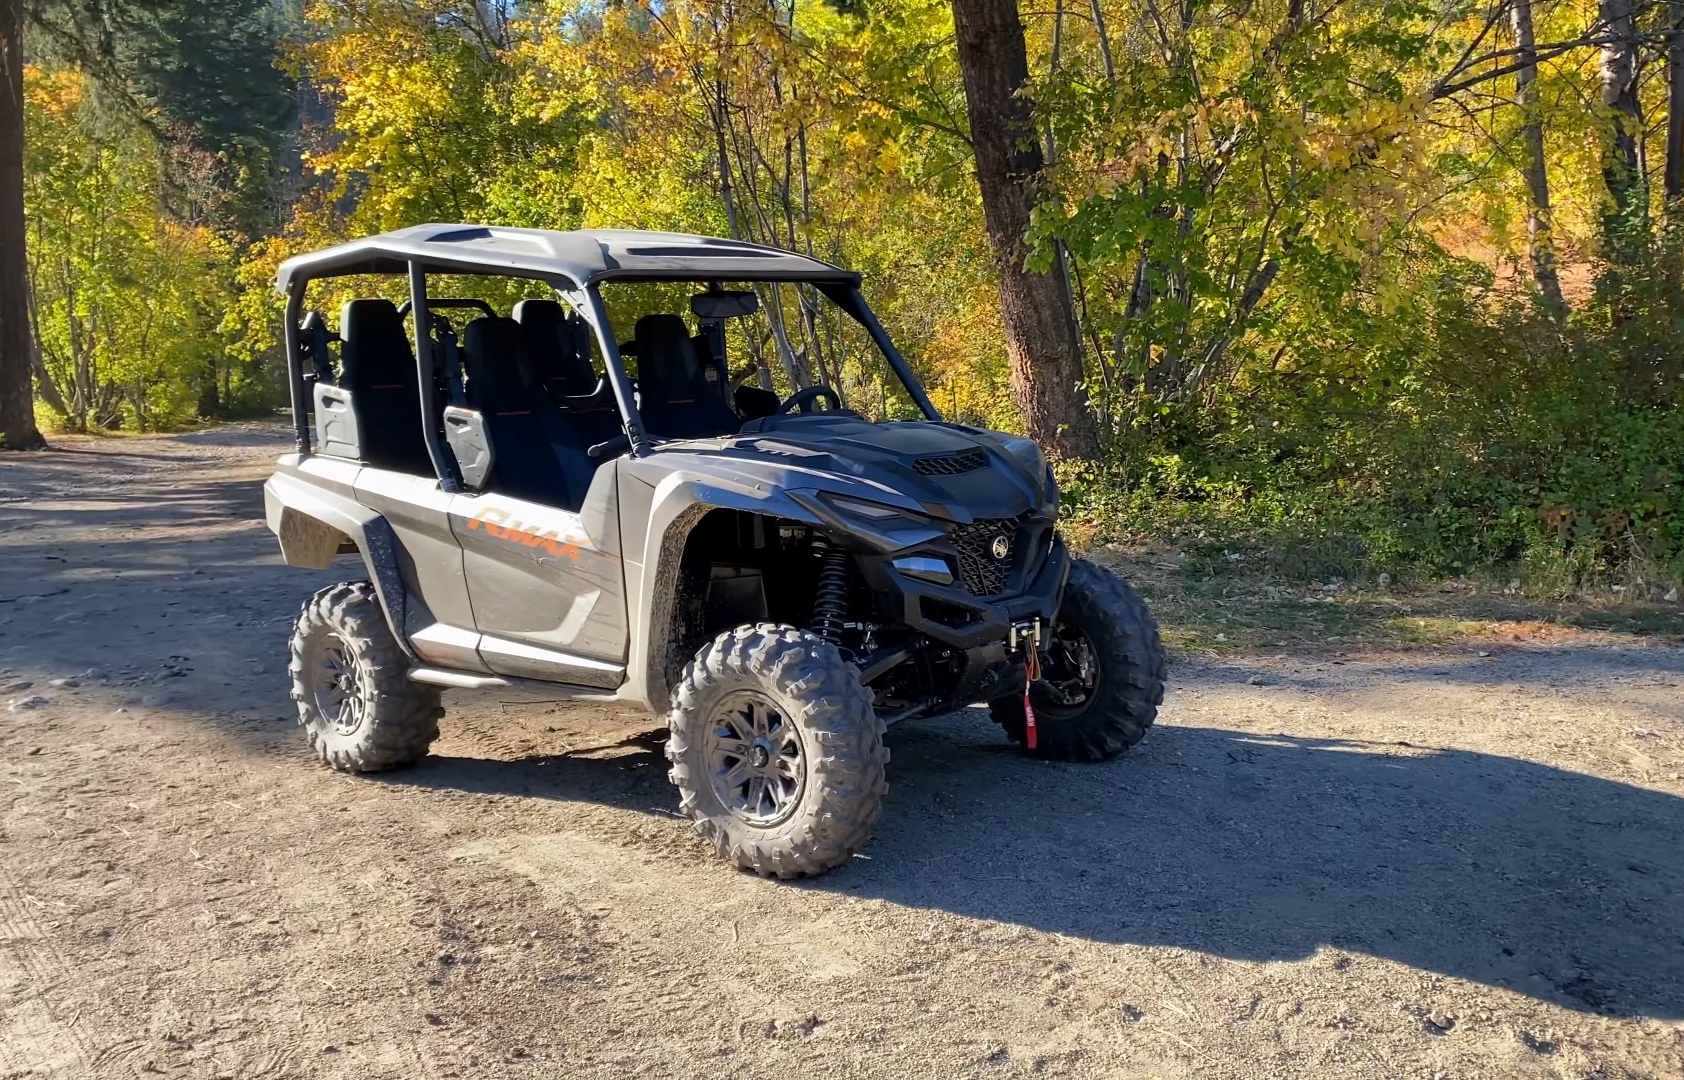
(547, 496)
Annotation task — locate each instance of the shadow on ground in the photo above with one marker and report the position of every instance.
(1555, 884)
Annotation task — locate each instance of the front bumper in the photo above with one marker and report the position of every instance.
(956, 617)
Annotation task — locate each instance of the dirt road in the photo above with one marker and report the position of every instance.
(1424, 864)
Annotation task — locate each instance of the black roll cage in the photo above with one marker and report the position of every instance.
(586, 300)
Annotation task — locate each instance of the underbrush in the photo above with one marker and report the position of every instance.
(1234, 571)
(1432, 527)
(1474, 437)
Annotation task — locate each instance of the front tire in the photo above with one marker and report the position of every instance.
(350, 680)
(1104, 654)
(776, 751)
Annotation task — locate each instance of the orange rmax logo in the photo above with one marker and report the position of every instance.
(494, 525)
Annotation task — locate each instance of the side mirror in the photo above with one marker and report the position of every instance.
(464, 430)
(723, 305)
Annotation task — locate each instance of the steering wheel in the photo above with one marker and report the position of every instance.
(805, 397)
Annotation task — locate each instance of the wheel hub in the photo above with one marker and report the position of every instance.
(333, 684)
(1070, 669)
(756, 761)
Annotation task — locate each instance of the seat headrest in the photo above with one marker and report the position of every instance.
(666, 357)
(376, 348)
(540, 313)
(499, 373)
(370, 316)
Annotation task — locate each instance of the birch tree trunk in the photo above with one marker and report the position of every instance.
(1621, 170)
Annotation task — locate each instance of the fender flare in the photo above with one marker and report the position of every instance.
(679, 502)
(314, 526)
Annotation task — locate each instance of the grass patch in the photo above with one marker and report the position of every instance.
(1254, 603)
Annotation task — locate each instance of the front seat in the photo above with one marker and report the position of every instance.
(536, 456)
(676, 400)
(379, 371)
(559, 345)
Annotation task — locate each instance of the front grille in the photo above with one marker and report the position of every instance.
(951, 464)
(980, 570)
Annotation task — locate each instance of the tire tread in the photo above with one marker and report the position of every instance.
(1132, 687)
(400, 719)
(841, 735)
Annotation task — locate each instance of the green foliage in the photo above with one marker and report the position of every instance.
(200, 77)
(1482, 435)
(127, 300)
(1295, 236)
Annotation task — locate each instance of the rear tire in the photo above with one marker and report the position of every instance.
(776, 751)
(350, 680)
(1129, 685)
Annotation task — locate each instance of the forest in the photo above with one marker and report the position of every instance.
(1394, 284)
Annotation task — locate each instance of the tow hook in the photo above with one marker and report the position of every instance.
(1030, 634)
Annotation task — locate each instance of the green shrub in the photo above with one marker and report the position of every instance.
(1471, 433)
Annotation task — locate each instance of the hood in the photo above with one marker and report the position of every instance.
(950, 471)
(947, 472)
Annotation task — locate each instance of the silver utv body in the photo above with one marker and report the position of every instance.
(485, 589)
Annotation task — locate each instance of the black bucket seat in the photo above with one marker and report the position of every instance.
(379, 371)
(676, 398)
(559, 345)
(539, 456)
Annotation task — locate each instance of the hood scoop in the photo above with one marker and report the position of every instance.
(951, 464)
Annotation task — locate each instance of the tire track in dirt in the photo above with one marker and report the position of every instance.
(36, 1038)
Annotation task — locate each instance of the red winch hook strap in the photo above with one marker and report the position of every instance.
(1031, 672)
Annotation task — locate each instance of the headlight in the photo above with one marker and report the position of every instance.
(925, 568)
(869, 511)
(873, 525)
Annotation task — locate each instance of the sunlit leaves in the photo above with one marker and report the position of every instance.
(128, 299)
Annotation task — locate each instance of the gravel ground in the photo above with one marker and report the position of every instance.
(1430, 863)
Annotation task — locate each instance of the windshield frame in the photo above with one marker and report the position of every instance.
(845, 294)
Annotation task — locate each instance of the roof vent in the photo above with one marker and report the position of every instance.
(716, 251)
(460, 236)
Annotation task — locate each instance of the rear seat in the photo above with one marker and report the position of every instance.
(539, 453)
(559, 344)
(379, 371)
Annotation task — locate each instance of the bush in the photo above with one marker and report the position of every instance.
(1471, 433)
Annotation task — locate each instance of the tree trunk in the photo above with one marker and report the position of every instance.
(1104, 40)
(17, 401)
(1674, 179)
(1621, 170)
(210, 396)
(1539, 248)
(43, 378)
(1041, 338)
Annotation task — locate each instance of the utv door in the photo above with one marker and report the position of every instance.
(441, 625)
(546, 585)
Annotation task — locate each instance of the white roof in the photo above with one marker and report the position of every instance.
(578, 257)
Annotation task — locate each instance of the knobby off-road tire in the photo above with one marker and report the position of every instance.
(1130, 684)
(755, 675)
(344, 655)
